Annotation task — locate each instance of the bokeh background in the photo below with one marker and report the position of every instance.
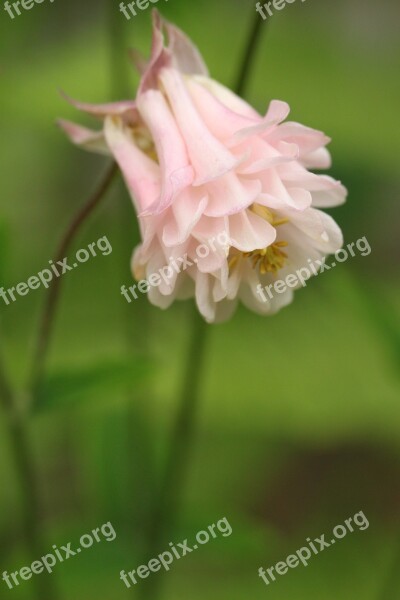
(299, 422)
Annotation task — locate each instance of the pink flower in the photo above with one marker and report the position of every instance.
(198, 162)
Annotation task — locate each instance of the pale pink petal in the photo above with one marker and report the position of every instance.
(186, 56)
(126, 108)
(277, 112)
(264, 156)
(230, 194)
(177, 173)
(308, 140)
(212, 262)
(276, 195)
(185, 213)
(318, 159)
(204, 299)
(209, 157)
(316, 228)
(180, 54)
(250, 232)
(141, 174)
(138, 60)
(330, 197)
(228, 98)
(221, 120)
(160, 57)
(92, 141)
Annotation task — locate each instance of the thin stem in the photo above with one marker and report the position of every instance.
(49, 312)
(17, 416)
(247, 61)
(169, 498)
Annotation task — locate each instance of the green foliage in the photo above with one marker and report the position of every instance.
(74, 386)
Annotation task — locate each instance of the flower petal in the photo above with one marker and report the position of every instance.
(141, 174)
(126, 108)
(185, 213)
(92, 141)
(250, 232)
(186, 56)
(176, 171)
(210, 158)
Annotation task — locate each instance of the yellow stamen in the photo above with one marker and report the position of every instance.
(270, 259)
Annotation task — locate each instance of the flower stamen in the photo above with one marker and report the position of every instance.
(267, 260)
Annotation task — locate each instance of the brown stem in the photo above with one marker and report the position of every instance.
(49, 312)
(247, 61)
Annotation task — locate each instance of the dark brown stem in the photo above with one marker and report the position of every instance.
(247, 61)
(49, 312)
(16, 412)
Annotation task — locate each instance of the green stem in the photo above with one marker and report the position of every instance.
(16, 412)
(53, 295)
(169, 498)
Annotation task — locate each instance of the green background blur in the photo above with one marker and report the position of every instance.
(299, 423)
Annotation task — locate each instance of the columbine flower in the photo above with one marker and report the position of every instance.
(198, 162)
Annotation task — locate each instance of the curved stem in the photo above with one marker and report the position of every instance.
(51, 304)
(17, 416)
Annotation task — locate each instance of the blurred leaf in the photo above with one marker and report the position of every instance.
(69, 387)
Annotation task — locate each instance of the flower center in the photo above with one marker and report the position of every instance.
(144, 141)
(270, 259)
(267, 260)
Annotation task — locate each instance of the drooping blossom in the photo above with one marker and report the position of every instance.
(199, 162)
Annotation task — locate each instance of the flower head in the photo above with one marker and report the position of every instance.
(200, 162)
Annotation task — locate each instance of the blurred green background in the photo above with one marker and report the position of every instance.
(300, 418)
